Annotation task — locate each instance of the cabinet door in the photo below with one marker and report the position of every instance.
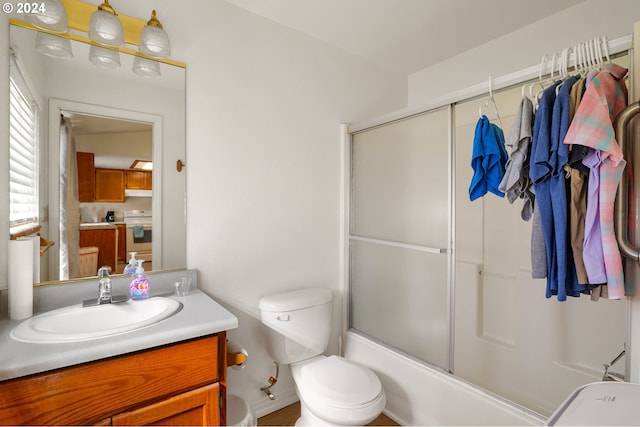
(198, 407)
(109, 185)
(139, 180)
(86, 177)
(122, 242)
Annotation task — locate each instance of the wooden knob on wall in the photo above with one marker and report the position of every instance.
(180, 165)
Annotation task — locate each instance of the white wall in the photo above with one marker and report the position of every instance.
(264, 104)
(524, 48)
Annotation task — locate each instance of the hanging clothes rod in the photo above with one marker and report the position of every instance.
(621, 125)
(616, 46)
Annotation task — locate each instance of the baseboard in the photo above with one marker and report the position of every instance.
(266, 406)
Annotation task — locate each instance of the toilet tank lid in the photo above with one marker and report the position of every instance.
(295, 300)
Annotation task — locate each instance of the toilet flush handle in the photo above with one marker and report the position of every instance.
(283, 318)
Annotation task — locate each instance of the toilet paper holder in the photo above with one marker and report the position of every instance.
(236, 355)
(235, 358)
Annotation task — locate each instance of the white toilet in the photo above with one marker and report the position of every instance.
(332, 390)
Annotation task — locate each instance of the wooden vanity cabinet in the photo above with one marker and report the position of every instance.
(179, 384)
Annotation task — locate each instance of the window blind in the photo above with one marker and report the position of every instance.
(23, 153)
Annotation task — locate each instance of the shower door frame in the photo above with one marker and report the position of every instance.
(448, 251)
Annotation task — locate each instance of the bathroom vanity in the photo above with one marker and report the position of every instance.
(172, 372)
(178, 384)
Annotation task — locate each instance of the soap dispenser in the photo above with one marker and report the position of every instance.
(139, 287)
(133, 264)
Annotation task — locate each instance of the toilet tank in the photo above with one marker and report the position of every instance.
(298, 323)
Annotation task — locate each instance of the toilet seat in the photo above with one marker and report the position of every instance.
(339, 390)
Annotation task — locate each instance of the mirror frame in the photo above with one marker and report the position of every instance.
(55, 108)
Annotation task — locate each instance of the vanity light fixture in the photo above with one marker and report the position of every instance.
(105, 28)
(153, 40)
(48, 15)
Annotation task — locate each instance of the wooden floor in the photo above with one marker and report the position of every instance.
(288, 415)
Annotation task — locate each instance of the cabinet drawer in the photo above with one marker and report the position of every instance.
(88, 393)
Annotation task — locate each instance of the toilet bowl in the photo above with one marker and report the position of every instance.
(332, 390)
(336, 391)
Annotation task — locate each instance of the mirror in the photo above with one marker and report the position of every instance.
(116, 117)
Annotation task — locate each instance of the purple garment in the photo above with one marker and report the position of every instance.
(593, 255)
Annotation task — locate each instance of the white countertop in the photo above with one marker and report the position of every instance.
(200, 316)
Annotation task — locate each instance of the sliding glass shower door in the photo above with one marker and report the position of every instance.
(432, 271)
(400, 234)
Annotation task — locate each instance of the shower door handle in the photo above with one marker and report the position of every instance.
(622, 202)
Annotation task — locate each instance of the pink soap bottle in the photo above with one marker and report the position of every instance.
(139, 287)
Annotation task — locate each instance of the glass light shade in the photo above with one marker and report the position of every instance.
(54, 46)
(154, 42)
(103, 57)
(50, 15)
(146, 67)
(105, 28)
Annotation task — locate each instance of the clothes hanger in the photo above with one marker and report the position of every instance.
(579, 66)
(538, 94)
(598, 50)
(524, 95)
(591, 55)
(490, 100)
(543, 63)
(584, 65)
(564, 67)
(605, 45)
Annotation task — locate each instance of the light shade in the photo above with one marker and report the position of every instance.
(153, 40)
(54, 46)
(146, 67)
(103, 57)
(50, 15)
(105, 27)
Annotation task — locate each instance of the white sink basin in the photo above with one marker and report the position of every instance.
(78, 323)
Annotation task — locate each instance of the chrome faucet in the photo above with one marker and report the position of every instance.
(104, 291)
(613, 376)
(104, 286)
